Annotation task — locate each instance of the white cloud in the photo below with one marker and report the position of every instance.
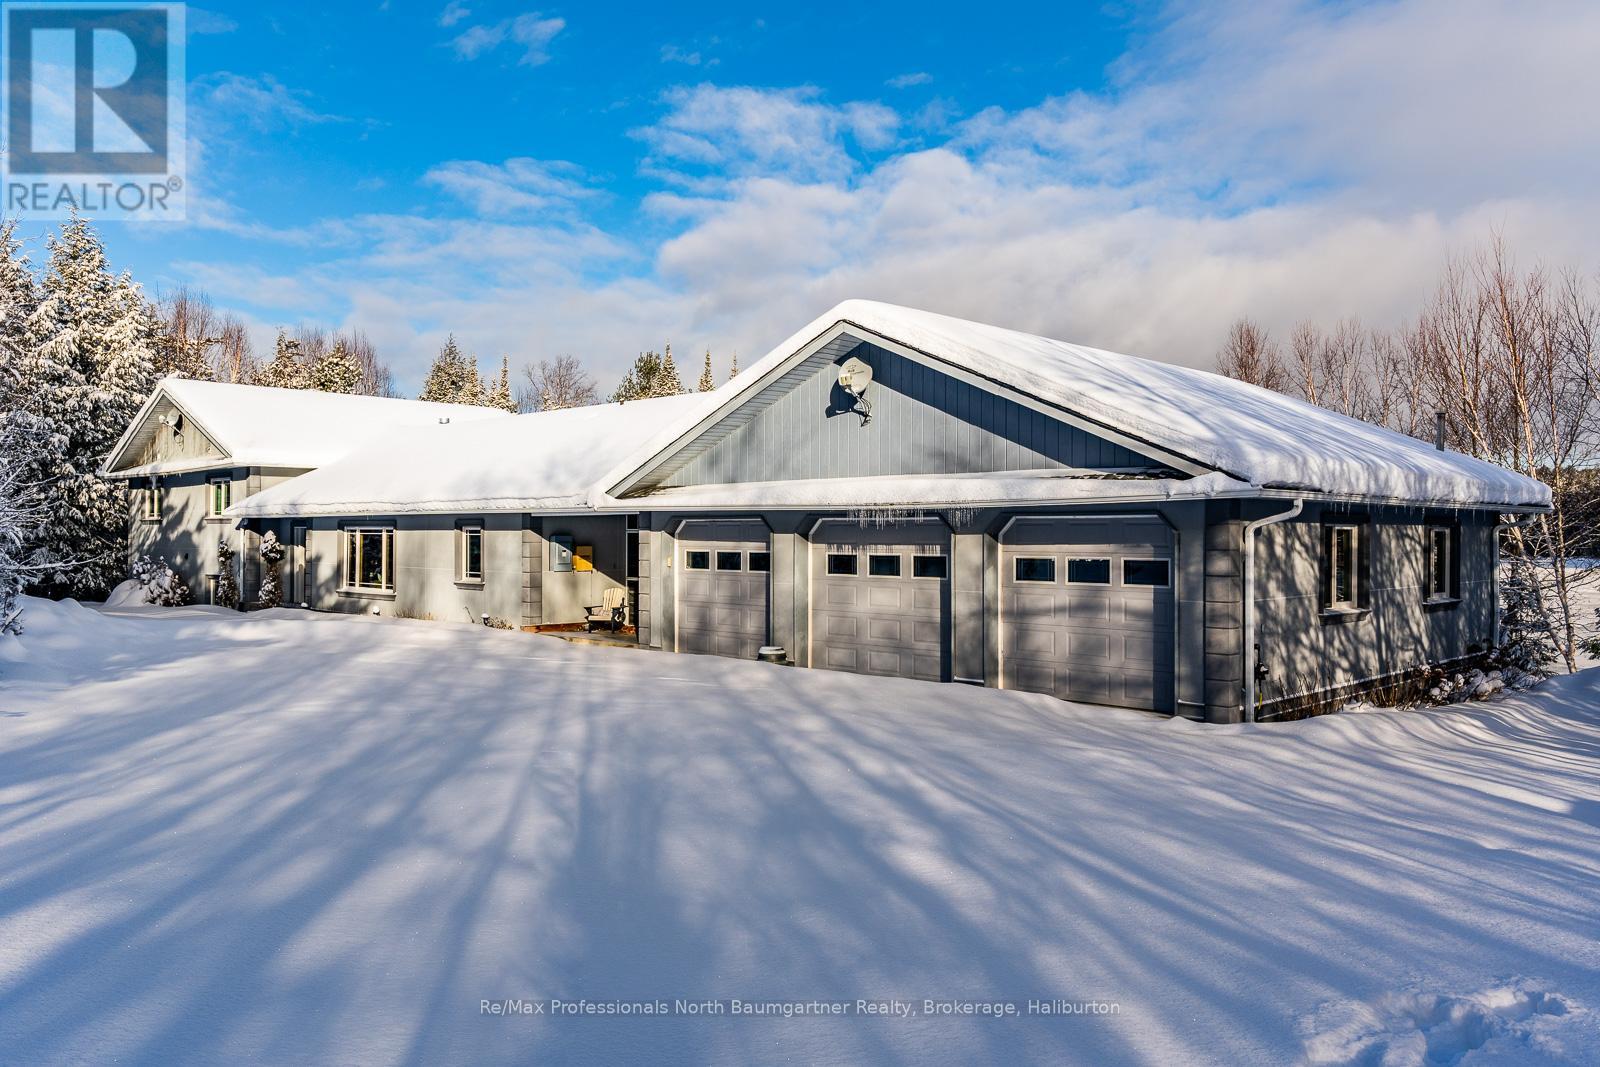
(263, 103)
(671, 53)
(453, 13)
(906, 81)
(532, 33)
(1278, 161)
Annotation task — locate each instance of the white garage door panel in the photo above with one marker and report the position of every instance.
(880, 624)
(1104, 644)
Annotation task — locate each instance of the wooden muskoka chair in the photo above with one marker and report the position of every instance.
(610, 611)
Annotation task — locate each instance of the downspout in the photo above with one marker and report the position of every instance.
(1250, 529)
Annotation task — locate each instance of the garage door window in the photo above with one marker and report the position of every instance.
(841, 563)
(760, 561)
(697, 561)
(883, 566)
(1036, 569)
(1089, 571)
(730, 561)
(1154, 572)
(928, 567)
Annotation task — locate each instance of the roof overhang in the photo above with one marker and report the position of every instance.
(636, 474)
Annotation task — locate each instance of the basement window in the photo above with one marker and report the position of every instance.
(730, 561)
(221, 495)
(929, 567)
(1089, 571)
(1036, 569)
(842, 563)
(697, 561)
(369, 558)
(883, 566)
(1343, 548)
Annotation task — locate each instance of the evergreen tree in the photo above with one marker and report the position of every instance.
(733, 371)
(88, 372)
(447, 378)
(19, 294)
(227, 586)
(707, 382)
(271, 570)
(336, 372)
(500, 396)
(668, 384)
(286, 371)
(1526, 632)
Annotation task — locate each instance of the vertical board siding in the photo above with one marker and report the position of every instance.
(923, 422)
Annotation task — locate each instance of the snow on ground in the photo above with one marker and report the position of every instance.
(286, 838)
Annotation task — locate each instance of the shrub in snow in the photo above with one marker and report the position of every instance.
(159, 583)
(227, 587)
(22, 440)
(271, 580)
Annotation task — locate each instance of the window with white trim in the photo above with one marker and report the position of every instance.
(369, 558)
(1437, 585)
(221, 495)
(152, 501)
(1151, 572)
(472, 553)
(1344, 546)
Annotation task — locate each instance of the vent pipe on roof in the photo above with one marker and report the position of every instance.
(1438, 430)
(446, 420)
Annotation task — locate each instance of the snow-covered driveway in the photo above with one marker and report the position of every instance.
(286, 838)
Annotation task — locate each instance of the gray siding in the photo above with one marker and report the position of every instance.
(1306, 649)
(923, 422)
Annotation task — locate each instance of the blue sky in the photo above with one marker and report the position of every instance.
(598, 179)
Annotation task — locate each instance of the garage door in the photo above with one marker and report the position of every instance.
(722, 588)
(1087, 610)
(880, 599)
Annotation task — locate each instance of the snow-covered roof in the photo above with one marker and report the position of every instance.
(1253, 435)
(260, 426)
(539, 462)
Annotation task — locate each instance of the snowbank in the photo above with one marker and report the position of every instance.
(282, 838)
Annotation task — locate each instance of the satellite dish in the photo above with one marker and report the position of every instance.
(855, 375)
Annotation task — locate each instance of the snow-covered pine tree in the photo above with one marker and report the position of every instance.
(1526, 633)
(447, 377)
(19, 292)
(286, 370)
(227, 595)
(500, 396)
(24, 449)
(472, 390)
(88, 374)
(271, 574)
(667, 383)
(707, 381)
(337, 371)
(628, 388)
(733, 370)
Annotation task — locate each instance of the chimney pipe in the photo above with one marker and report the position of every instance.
(1438, 430)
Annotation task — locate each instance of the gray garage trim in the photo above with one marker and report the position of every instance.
(722, 609)
(1104, 638)
(894, 624)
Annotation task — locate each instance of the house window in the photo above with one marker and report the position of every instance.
(369, 558)
(472, 553)
(760, 561)
(697, 561)
(1089, 571)
(1441, 564)
(1153, 572)
(1036, 569)
(841, 563)
(929, 566)
(152, 502)
(730, 561)
(221, 495)
(883, 566)
(1343, 549)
